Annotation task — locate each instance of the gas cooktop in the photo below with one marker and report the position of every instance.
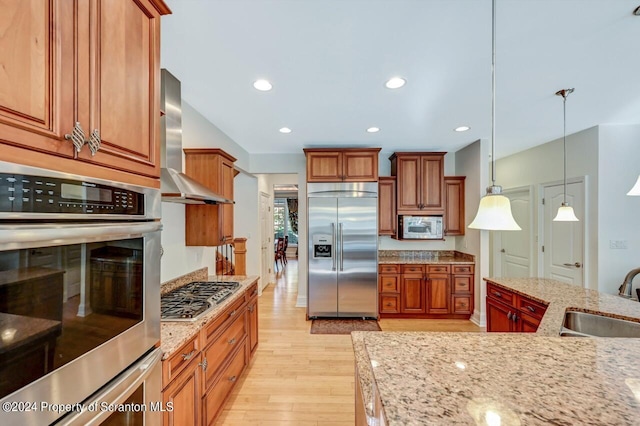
(195, 299)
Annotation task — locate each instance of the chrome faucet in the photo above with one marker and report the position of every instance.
(625, 288)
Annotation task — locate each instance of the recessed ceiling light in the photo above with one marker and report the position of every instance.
(373, 129)
(395, 82)
(262, 85)
(285, 130)
(462, 128)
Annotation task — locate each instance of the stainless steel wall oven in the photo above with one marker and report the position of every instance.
(79, 299)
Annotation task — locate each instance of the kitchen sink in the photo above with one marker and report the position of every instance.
(582, 324)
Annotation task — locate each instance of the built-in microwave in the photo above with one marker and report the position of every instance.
(420, 227)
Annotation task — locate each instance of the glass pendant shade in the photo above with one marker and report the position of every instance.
(565, 214)
(636, 188)
(494, 212)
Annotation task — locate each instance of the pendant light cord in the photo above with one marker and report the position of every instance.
(564, 142)
(493, 93)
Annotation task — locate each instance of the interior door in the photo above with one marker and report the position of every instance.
(563, 242)
(357, 257)
(266, 252)
(513, 249)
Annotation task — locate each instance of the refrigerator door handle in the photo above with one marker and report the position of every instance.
(341, 248)
(334, 235)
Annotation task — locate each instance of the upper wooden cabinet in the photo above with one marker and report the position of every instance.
(387, 221)
(210, 225)
(92, 62)
(342, 165)
(454, 202)
(420, 182)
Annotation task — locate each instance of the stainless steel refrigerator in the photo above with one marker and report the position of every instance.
(343, 250)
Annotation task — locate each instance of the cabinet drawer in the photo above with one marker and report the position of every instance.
(531, 307)
(413, 269)
(463, 269)
(443, 269)
(461, 304)
(499, 293)
(462, 284)
(252, 291)
(389, 284)
(215, 326)
(389, 303)
(215, 398)
(221, 347)
(173, 365)
(389, 269)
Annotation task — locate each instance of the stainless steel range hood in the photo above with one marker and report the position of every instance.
(176, 187)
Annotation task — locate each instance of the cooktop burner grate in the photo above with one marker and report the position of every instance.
(193, 300)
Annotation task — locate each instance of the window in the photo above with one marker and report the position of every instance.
(281, 221)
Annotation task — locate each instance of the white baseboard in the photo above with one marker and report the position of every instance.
(478, 319)
(301, 302)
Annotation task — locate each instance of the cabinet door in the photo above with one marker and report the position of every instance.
(37, 77)
(454, 205)
(499, 316)
(360, 166)
(387, 206)
(124, 85)
(527, 324)
(408, 176)
(227, 209)
(324, 166)
(438, 294)
(431, 183)
(252, 308)
(184, 393)
(412, 299)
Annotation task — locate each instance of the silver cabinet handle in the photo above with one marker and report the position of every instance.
(232, 341)
(76, 137)
(232, 313)
(509, 316)
(531, 308)
(577, 264)
(203, 364)
(496, 293)
(186, 357)
(94, 141)
(232, 379)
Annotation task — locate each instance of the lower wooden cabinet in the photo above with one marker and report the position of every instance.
(425, 290)
(197, 382)
(510, 312)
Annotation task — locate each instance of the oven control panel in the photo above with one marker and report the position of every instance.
(36, 194)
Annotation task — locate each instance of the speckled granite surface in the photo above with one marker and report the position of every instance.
(424, 256)
(524, 379)
(197, 275)
(174, 334)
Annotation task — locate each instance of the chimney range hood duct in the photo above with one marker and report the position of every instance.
(175, 186)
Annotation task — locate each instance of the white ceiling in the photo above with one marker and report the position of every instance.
(328, 61)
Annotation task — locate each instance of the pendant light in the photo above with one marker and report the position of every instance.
(494, 212)
(565, 211)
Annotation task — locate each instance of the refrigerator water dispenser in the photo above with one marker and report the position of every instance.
(322, 246)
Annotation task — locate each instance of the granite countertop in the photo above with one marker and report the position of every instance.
(524, 378)
(174, 334)
(424, 257)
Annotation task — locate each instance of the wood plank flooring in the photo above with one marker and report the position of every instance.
(298, 378)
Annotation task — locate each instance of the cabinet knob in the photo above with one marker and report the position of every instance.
(509, 316)
(203, 364)
(94, 141)
(76, 137)
(232, 341)
(232, 313)
(232, 379)
(496, 293)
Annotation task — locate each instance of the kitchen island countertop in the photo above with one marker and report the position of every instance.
(424, 256)
(529, 378)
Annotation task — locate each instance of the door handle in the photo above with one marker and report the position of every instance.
(577, 264)
(334, 234)
(502, 251)
(341, 248)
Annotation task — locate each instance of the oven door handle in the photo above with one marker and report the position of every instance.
(115, 392)
(20, 236)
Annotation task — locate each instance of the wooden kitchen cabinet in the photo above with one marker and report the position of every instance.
(420, 182)
(511, 312)
(454, 214)
(252, 309)
(342, 164)
(181, 377)
(387, 220)
(210, 225)
(75, 63)
(412, 290)
(438, 289)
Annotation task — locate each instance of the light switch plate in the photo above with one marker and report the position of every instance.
(618, 244)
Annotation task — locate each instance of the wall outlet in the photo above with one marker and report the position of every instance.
(618, 244)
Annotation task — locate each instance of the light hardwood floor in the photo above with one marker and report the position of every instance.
(298, 378)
